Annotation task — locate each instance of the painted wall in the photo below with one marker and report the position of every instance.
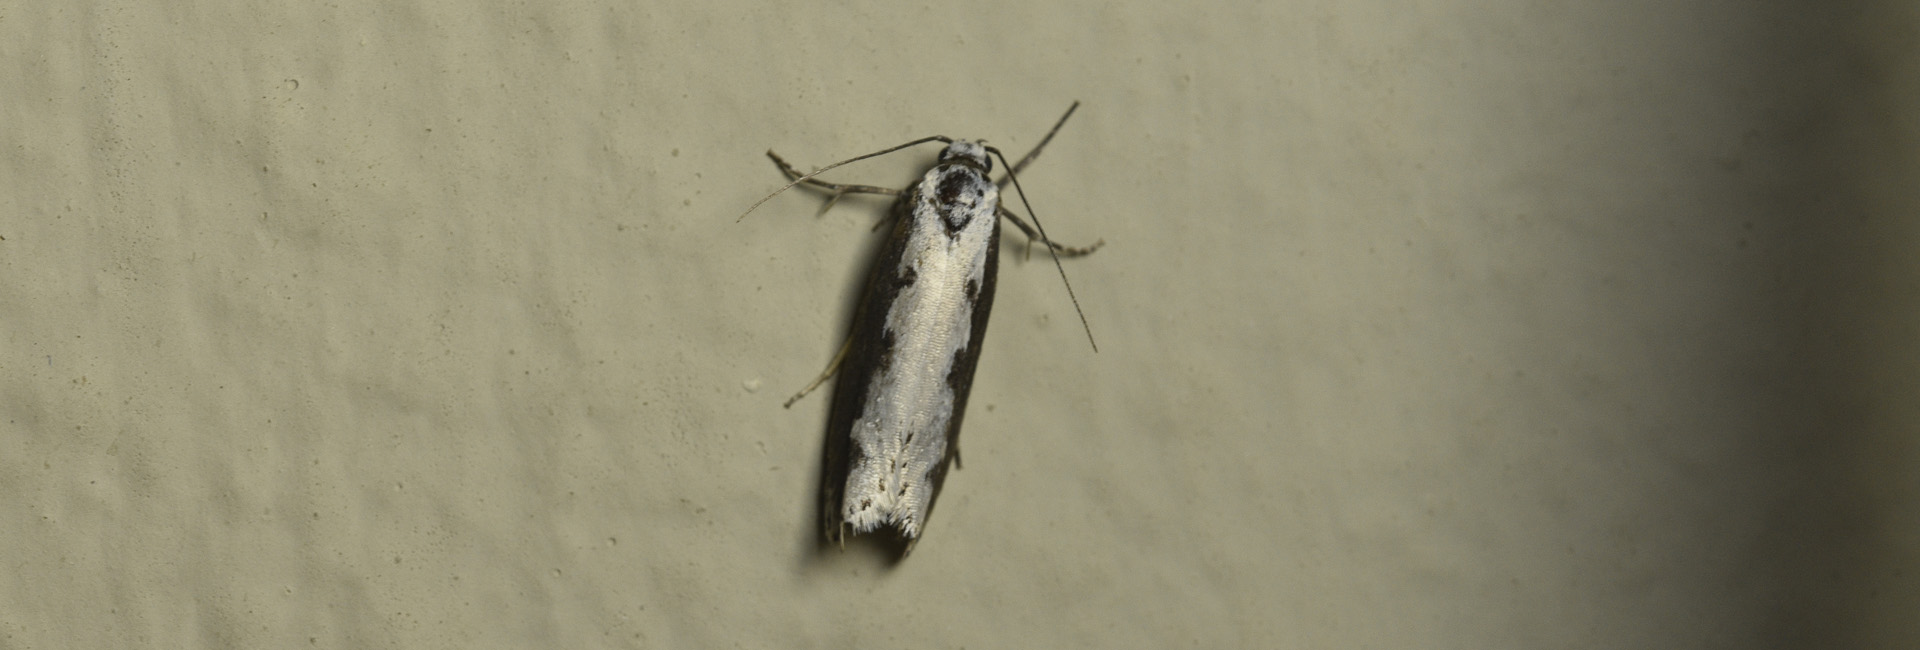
(1435, 324)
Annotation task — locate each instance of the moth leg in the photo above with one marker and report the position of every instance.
(1035, 153)
(1032, 235)
(1022, 165)
(832, 367)
(834, 190)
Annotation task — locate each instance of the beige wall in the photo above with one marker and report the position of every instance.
(1439, 324)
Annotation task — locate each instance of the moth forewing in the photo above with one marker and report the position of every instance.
(903, 388)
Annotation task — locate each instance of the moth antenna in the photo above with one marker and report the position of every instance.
(822, 170)
(1049, 240)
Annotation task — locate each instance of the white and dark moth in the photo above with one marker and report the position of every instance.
(908, 364)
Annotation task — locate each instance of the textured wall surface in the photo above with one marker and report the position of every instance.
(1436, 324)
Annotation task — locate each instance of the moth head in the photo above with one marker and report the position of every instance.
(971, 153)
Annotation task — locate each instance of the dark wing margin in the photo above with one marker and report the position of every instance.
(870, 346)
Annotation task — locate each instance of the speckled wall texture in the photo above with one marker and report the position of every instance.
(1440, 324)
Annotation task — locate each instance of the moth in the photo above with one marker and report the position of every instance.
(907, 366)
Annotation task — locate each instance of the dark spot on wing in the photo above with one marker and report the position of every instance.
(954, 371)
(957, 193)
(953, 185)
(886, 351)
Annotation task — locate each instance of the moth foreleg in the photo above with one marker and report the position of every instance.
(1035, 153)
(834, 190)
